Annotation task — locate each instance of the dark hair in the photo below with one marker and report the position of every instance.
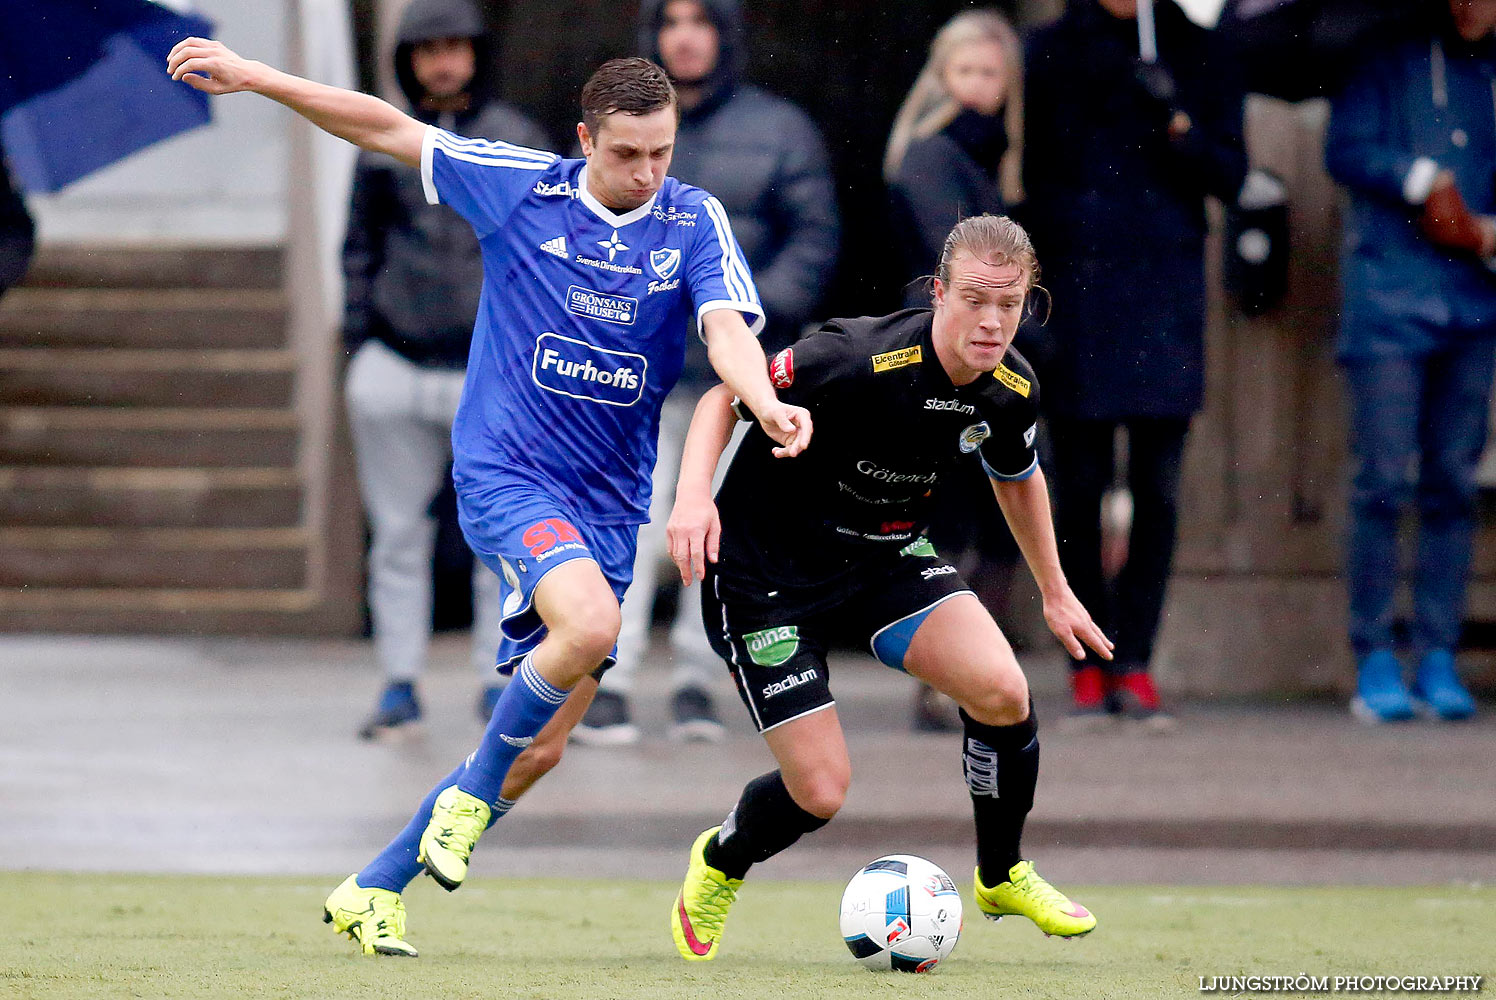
(631, 86)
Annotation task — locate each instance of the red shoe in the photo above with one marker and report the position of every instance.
(1135, 697)
(1089, 703)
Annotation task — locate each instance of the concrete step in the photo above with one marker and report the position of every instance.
(124, 377)
(113, 436)
(202, 318)
(91, 266)
(43, 497)
(163, 611)
(90, 558)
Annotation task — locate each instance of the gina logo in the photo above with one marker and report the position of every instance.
(664, 262)
(973, 436)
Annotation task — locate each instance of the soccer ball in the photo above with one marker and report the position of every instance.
(901, 913)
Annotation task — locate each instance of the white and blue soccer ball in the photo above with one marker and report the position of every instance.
(901, 913)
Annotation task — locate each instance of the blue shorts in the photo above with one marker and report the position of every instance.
(522, 532)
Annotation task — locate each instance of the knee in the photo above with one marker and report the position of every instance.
(1003, 702)
(821, 794)
(589, 631)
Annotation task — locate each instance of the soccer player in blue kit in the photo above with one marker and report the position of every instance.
(594, 269)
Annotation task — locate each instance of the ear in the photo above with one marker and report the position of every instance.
(584, 137)
(937, 290)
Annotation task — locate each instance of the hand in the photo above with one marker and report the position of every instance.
(210, 66)
(1158, 83)
(1071, 623)
(1448, 222)
(695, 536)
(788, 425)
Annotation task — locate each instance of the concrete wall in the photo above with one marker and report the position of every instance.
(225, 184)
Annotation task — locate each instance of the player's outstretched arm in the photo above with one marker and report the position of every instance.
(365, 121)
(737, 357)
(1025, 505)
(695, 532)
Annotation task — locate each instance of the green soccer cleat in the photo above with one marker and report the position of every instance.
(457, 821)
(372, 918)
(1026, 894)
(701, 908)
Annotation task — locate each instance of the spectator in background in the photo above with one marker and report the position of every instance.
(413, 275)
(765, 161)
(955, 152)
(1413, 139)
(17, 233)
(1119, 158)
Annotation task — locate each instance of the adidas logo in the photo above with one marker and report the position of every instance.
(518, 741)
(556, 247)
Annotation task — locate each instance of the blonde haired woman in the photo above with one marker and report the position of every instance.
(954, 153)
(955, 147)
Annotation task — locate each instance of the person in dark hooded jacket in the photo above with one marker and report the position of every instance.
(1120, 155)
(413, 273)
(765, 161)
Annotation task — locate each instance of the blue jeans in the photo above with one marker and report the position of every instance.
(1431, 409)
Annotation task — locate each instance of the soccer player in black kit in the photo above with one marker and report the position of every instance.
(800, 553)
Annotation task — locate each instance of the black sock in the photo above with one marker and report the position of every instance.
(765, 821)
(1001, 764)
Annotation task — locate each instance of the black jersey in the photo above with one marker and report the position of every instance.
(889, 427)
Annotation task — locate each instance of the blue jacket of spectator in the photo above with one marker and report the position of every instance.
(1428, 101)
(1116, 207)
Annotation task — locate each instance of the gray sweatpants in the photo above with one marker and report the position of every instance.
(695, 665)
(401, 416)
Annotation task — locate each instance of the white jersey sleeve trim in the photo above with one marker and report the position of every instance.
(734, 271)
(1026, 473)
(428, 184)
(752, 312)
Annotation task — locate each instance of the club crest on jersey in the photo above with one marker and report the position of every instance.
(664, 262)
(901, 358)
(782, 369)
(973, 436)
(577, 369)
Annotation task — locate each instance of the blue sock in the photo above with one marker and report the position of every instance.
(395, 866)
(397, 694)
(527, 704)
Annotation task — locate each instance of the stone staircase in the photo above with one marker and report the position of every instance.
(150, 476)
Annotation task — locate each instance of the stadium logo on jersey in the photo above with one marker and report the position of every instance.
(887, 476)
(954, 405)
(579, 370)
(556, 247)
(782, 369)
(562, 190)
(612, 244)
(618, 309)
(973, 436)
(934, 571)
(672, 214)
(1012, 380)
(789, 683)
(664, 262)
(901, 358)
(772, 646)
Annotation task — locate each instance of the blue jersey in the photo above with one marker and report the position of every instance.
(582, 322)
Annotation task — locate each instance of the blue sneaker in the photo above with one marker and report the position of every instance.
(1381, 695)
(1438, 690)
(487, 699)
(397, 710)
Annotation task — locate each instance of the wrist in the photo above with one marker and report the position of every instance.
(1488, 237)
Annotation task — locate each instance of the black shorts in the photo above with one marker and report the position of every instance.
(775, 646)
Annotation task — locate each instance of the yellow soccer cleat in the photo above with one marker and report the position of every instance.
(1026, 894)
(457, 821)
(701, 908)
(372, 918)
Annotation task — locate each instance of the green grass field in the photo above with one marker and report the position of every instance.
(155, 936)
